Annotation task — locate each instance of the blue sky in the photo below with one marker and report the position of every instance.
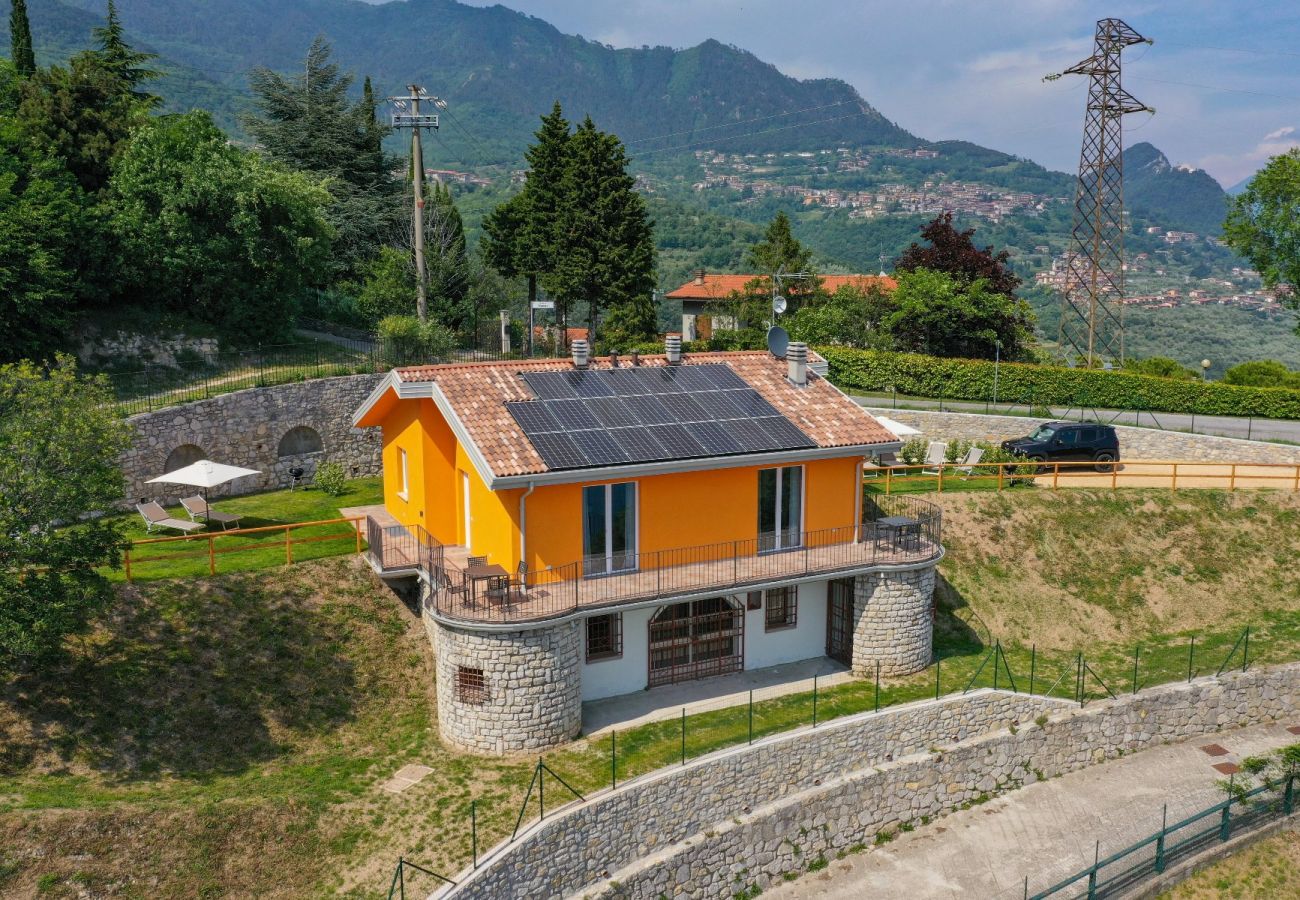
(1223, 77)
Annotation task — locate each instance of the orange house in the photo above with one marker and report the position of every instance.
(583, 528)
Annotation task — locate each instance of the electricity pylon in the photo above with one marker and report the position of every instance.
(408, 115)
(1092, 321)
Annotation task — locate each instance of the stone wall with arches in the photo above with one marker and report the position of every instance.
(271, 429)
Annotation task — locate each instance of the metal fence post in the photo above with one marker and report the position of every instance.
(1191, 651)
(877, 685)
(1092, 876)
(1245, 651)
(1033, 660)
(814, 701)
(1160, 841)
(541, 791)
(751, 717)
(1137, 655)
(473, 832)
(997, 658)
(938, 660)
(683, 735)
(1288, 796)
(1225, 823)
(401, 877)
(613, 759)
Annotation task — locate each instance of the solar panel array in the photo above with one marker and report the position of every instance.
(610, 417)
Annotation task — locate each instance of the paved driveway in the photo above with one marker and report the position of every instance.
(1045, 831)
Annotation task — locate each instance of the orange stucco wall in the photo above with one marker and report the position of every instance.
(683, 509)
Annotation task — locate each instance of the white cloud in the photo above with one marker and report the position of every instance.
(1236, 166)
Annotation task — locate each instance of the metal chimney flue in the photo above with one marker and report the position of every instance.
(580, 353)
(613, 359)
(673, 349)
(796, 357)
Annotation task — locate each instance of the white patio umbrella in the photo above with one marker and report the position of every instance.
(898, 428)
(204, 474)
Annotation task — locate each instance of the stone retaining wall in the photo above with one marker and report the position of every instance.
(1134, 443)
(742, 818)
(531, 694)
(580, 848)
(244, 428)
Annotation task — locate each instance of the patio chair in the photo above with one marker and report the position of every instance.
(521, 580)
(935, 456)
(476, 561)
(455, 589)
(968, 464)
(198, 509)
(156, 517)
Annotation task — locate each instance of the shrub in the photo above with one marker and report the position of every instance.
(405, 340)
(1039, 385)
(913, 451)
(331, 478)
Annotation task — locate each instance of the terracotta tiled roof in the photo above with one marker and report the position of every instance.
(719, 287)
(478, 393)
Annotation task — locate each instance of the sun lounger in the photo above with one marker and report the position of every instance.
(973, 456)
(935, 456)
(199, 510)
(156, 517)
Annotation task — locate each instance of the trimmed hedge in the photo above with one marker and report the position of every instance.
(969, 379)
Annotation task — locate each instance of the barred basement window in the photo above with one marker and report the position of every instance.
(754, 600)
(471, 687)
(782, 607)
(604, 637)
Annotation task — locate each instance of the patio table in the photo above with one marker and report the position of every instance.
(488, 572)
(904, 532)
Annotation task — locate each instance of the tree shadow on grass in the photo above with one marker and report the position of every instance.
(958, 630)
(185, 677)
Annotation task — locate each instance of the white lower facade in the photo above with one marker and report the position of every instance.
(755, 647)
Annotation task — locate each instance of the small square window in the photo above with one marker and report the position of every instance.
(782, 607)
(754, 600)
(471, 686)
(604, 637)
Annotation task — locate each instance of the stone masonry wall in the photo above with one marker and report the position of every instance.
(1134, 443)
(789, 835)
(653, 813)
(532, 687)
(244, 428)
(893, 621)
(742, 818)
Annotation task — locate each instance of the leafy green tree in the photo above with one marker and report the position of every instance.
(309, 123)
(780, 250)
(939, 315)
(218, 232)
(388, 286)
(20, 39)
(1161, 367)
(605, 253)
(850, 317)
(520, 235)
(1262, 373)
(1263, 224)
(41, 214)
(60, 438)
(123, 60)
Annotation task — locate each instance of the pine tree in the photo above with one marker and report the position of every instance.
(448, 261)
(20, 39)
(122, 60)
(374, 131)
(605, 249)
(779, 250)
(311, 124)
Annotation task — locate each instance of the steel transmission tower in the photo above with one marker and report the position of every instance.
(1092, 322)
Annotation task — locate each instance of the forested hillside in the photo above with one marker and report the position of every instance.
(1179, 199)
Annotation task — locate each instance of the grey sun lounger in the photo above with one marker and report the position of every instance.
(156, 517)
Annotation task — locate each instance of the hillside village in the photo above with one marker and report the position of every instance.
(550, 469)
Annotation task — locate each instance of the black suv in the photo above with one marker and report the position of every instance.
(1069, 441)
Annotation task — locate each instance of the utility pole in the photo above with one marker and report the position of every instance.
(1092, 322)
(415, 121)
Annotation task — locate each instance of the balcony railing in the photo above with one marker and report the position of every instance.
(894, 531)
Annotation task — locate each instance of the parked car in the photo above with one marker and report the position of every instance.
(1069, 442)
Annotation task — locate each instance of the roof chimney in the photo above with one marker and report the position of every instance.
(613, 359)
(580, 352)
(796, 357)
(673, 349)
(699, 276)
(636, 358)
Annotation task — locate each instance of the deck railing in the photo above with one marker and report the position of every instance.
(894, 531)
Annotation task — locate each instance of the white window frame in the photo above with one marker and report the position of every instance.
(775, 534)
(403, 468)
(634, 553)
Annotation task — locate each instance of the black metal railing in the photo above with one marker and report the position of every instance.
(894, 531)
(402, 548)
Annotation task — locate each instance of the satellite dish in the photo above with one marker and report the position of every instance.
(778, 340)
(778, 304)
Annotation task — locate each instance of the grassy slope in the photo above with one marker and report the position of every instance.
(227, 736)
(1269, 870)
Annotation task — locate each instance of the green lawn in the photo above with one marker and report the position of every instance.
(245, 552)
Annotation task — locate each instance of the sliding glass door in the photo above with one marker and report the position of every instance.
(609, 528)
(780, 508)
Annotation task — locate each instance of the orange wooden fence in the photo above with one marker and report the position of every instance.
(1173, 474)
(212, 551)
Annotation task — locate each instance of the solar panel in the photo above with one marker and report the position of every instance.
(605, 417)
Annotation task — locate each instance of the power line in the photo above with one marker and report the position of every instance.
(1214, 87)
(1254, 52)
(480, 151)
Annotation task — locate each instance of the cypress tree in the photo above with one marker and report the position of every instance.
(605, 249)
(20, 39)
(448, 260)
